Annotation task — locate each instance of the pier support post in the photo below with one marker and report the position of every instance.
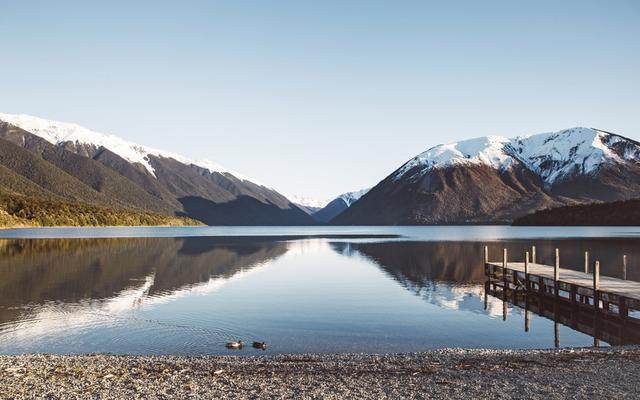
(596, 330)
(504, 309)
(526, 312)
(488, 269)
(586, 262)
(556, 325)
(514, 292)
(556, 273)
(586, 271)
(504, 272)
(487, 287)
(526, 271)
(596, 284)
(623, 311)
(533, 254)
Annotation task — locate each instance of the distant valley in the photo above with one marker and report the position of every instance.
(336, 206)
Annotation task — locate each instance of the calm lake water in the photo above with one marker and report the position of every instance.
(328, 289)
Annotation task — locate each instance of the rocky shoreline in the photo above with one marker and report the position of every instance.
(440, 374)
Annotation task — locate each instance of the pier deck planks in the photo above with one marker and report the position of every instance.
(624, 288)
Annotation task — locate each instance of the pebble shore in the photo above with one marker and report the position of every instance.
(440, 374)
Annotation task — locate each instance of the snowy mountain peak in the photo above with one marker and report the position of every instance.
(551, 155)
(348, 198)
(56, 132)
(352, 197)
(307, 201)
(483, 150)
(571, 151)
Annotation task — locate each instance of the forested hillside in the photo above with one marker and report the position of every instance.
(24, 211)
(618, 213)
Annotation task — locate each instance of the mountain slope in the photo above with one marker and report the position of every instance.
(118, 189)
(87, 142)
(11, 182)
(495, 179)
(337, 205)
(140, 176)
(47, 176)
(79, 164)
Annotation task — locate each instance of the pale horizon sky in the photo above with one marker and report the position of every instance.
(321, 98)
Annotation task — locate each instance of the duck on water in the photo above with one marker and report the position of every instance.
(236, 345)
(260, 345)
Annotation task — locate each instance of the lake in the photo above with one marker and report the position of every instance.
(188, 291)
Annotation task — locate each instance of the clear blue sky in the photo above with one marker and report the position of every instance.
(318, 98)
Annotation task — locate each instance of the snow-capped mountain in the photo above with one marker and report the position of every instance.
(308, 201)
(552, 156)
(65, 161)
(338, 205)
(495, 179)
(308, 204)
(56, 132)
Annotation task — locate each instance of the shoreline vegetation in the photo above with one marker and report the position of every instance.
(447, 373)
(21, 211)
(616, 213)
(18, 211)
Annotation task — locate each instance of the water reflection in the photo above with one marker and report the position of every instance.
(451, 274)
(335, 294)
(69, 270)
(601, 326)
(446, 274)
(461, 262)
(55, 285)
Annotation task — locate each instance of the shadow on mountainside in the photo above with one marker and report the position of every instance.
(244, 210)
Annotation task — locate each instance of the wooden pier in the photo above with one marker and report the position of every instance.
(581, 287)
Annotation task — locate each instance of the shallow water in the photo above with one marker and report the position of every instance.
(342, 290)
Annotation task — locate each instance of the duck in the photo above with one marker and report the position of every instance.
(235, 345)
(260, 345)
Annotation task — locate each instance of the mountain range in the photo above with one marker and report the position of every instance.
(66, 162)
(495, 179)
(486, 180)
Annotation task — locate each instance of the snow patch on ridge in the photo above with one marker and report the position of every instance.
(56, 132)
(352, 197)
(486, 150)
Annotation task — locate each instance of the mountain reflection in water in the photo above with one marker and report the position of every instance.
(451, 274)
(172, 295)
(70, 270)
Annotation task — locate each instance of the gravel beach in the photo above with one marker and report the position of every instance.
(440, 374)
